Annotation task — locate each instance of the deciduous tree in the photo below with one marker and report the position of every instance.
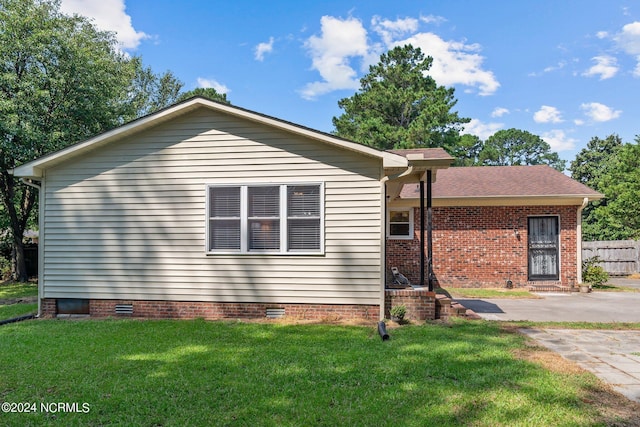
(61, 81)
(616, 217)
(518, 147)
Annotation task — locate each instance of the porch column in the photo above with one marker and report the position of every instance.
(421, 232)
(429, 227)
(429, 232)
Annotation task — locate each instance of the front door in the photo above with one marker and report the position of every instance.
(543, 248)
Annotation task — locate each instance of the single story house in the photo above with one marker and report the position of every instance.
(208, 210)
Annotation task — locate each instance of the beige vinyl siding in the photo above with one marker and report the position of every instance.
(128, 220)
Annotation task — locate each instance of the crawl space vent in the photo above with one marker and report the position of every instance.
(124, 308)
(275, 313)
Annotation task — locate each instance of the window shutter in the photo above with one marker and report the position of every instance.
(224, 218)
(303, 226)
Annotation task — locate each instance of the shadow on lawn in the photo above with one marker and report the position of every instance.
(219, 373)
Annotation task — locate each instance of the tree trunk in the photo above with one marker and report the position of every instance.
(19, 264)
(17, 220)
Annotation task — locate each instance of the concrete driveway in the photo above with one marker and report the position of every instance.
(598, 307)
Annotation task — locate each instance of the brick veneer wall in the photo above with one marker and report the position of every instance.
(478, 246)
(420, 304)
(214, 310)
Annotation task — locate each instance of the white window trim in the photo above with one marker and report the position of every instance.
(244, 219)
(411, 228)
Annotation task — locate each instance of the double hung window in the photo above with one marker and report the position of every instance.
(284, 218)
(400, 223)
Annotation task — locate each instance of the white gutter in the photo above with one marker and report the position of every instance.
(32, 183)
(579, 239)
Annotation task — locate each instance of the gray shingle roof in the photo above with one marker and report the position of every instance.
(503, 181)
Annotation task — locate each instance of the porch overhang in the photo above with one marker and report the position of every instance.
(419, 161)
(422, 166)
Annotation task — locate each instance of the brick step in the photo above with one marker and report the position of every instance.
(551, 288)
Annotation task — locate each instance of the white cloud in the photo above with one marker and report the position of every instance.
(391, 30)
(636, 71)
(499, 112)
(629, 38)
(454, 62)
(578, 122)
(600, 112)
(263, 48)
(606, 67)
(560, 65)
(219, 87)
(629, 41)
(330, 52)
(107, 15)
(481, 130)
(602, 34)
(547, 114)
(433, 19)
(342, 40)
(558, 140)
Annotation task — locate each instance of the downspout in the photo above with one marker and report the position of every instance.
(33, 184)
(383, 244)
(383, 234)
(579, 239)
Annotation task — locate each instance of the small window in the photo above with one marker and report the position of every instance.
(400, 224)
(265, 218)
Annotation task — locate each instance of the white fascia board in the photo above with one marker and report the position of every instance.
(541, 200)
(34, 168)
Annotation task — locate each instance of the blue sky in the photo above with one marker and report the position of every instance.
(567, 70)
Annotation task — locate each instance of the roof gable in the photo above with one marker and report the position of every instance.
(34, 168)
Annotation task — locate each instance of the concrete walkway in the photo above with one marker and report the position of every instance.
(613, 356)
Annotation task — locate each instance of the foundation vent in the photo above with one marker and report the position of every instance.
(275, 313)
(124, 308)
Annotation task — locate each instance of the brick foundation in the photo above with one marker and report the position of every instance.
(214, 310)
(420, 303)
(478, 246)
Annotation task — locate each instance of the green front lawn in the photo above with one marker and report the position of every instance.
(18, 290)
(12, 296)
(489, 293)
(179, 373)
(16, 310)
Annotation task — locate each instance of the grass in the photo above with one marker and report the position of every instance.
(12, 296)
(609, 287)
(489, 293)
(18, 290)
(9, 311)
(181, 373)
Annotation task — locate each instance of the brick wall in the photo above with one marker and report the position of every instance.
(213, 310)
(478, 246)
(420, 304)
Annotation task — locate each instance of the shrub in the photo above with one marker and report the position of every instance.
(398, 311)
(594, 274)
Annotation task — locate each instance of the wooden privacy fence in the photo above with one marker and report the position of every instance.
(618, 257)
